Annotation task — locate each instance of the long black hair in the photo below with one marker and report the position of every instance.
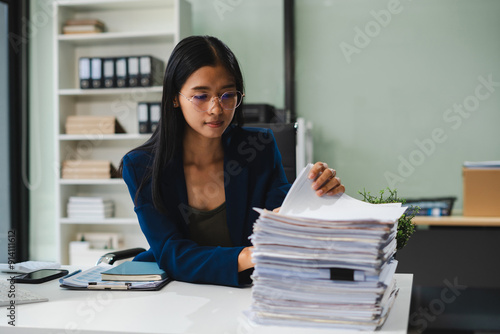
(189, 55)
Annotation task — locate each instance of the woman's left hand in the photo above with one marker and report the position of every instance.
(325, 180)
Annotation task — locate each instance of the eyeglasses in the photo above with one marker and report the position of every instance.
(204, 102)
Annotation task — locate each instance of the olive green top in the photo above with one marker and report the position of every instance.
(209, 228)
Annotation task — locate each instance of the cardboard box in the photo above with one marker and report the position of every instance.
(481, 192)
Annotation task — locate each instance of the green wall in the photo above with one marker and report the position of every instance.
(373, 95)
(370, 101)
(254, 32)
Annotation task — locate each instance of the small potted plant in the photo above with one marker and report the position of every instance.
(405, 225)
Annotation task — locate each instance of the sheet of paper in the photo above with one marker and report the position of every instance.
(302, 201)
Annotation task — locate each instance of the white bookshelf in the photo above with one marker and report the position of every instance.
(108, 221)
(134, 27)
(117, 38)
(117, 137)
(113, 92)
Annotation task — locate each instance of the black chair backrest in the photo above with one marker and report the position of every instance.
(286, 139)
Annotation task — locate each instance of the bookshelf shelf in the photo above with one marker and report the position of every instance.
(132, 28)
(108, 221)
(91, 182)
(110, 91)
(116, 38)
(113, 5)
(118, 136)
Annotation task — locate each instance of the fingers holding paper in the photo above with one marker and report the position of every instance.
(325, 180)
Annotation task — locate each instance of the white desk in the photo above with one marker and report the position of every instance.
(177, 308)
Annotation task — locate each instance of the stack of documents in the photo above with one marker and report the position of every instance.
(76, 26)
(90, 207)
(324, 261)
(92, 125)
(88, 169)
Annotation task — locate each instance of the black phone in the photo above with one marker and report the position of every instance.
(40, 276)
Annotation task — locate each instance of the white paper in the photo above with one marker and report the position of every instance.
(302, 201)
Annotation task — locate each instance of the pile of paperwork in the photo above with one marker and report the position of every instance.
(324, 261)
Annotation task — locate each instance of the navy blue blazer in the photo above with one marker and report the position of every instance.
(253, 177)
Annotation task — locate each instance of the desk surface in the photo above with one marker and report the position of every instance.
(457, 221)
(177, 308)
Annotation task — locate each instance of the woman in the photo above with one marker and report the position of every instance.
(195, 182)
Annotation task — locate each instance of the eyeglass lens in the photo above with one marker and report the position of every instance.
(228, 101)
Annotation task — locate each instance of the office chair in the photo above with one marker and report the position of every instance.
(286, 139)
(112, 257)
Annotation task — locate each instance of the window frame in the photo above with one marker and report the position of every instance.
(18, 82)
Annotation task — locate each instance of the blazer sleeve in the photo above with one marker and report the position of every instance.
(181, 258)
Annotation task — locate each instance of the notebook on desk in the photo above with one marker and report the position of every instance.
(134, 271)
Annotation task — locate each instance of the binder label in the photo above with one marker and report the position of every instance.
(84, 68)
(84, 72)
(133, 71)
(143, 117)
(154, 115)
(133, 66)
(145, 65)
(155, 112)
(96, 68)
(142, 112)
(108, 68)
(121, 67)
(96, 72)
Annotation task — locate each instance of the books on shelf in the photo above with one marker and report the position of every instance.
(90, 207)
(134, 271)
(83, 26)
(324, 261)
(92, 125)
(88, 169)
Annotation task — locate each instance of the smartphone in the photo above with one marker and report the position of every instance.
(40, 276)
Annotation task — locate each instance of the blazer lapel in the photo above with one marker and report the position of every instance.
(174, 190)
(236, 188)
